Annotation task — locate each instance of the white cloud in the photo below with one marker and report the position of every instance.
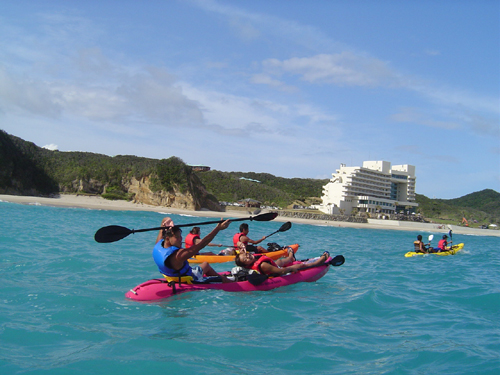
(264, 79)
(343, 69)
(152, 95)
(51, 147)
(432, 52)
(412, 115)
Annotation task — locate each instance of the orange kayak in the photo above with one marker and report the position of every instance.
(200, 258)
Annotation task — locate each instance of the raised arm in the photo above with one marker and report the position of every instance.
(180, 256)
(255, 242)
(167, 222)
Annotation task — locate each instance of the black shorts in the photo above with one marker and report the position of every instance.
(252, 248)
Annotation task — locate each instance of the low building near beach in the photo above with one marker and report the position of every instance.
(200, 168)
(376, 187)
(249, 203)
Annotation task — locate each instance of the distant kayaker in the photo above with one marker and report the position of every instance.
(241, 241)
(420, 247)
(442, 244)
(267, 266)
(172, 259)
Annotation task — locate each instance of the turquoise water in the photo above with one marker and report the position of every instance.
(63, 309)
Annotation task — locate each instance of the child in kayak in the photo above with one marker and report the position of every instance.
(267, 266)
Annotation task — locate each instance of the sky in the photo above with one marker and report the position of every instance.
(291, 88)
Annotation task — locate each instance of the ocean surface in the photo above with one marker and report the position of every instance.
(63, 310)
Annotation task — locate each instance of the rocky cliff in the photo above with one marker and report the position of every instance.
(196, 198)
(26, 169)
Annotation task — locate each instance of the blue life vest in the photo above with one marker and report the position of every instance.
(160, 255)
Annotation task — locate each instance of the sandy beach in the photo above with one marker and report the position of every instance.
(98, 203)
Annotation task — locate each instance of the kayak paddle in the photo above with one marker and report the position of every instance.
(283, 228)
(430, 239)
(114, 233)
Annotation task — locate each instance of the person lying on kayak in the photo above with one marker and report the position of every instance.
(265, 265)
(172, 259)
(442, 244)
(242, 242)
(420, 247)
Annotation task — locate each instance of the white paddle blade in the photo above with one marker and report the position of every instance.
(431, 237)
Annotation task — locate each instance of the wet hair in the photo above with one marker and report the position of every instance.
(243, 227)
(238, 261)
(171, 232)
(195, 230)
(419, 237)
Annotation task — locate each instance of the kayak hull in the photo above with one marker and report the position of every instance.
(455, 249)
(157, 289)
(230, 258)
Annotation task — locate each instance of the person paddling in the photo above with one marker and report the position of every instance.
(172, 259)
(442, 244)
(194, 238)
(420, 247)
(242, 242)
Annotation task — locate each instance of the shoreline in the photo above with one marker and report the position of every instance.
(99, 203)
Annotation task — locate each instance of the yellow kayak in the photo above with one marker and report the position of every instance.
(454, 249)
(200, 258)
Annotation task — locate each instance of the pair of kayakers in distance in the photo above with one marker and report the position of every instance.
(420, 247)
(172, 259)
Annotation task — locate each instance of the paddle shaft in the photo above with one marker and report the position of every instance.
(191, 224)
(283, 228)
(114, 233)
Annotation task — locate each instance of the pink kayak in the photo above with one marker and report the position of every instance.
(157, 289)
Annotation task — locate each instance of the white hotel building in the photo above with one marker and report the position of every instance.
(374, 187)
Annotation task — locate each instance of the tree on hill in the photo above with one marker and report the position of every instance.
(27, 169)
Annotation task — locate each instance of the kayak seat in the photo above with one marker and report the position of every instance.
(209, 280)
(175, 279)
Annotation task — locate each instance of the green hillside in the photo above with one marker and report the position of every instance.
(482, 207)
(266, 188)
(26, 169)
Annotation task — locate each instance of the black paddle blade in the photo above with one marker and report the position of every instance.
(264, 217)
(111, 233)
(337, 261)
(285, 227)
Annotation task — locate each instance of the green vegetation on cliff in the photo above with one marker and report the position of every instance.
(23, 168)
(482, 207)
(269, 190)
(26, 169)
